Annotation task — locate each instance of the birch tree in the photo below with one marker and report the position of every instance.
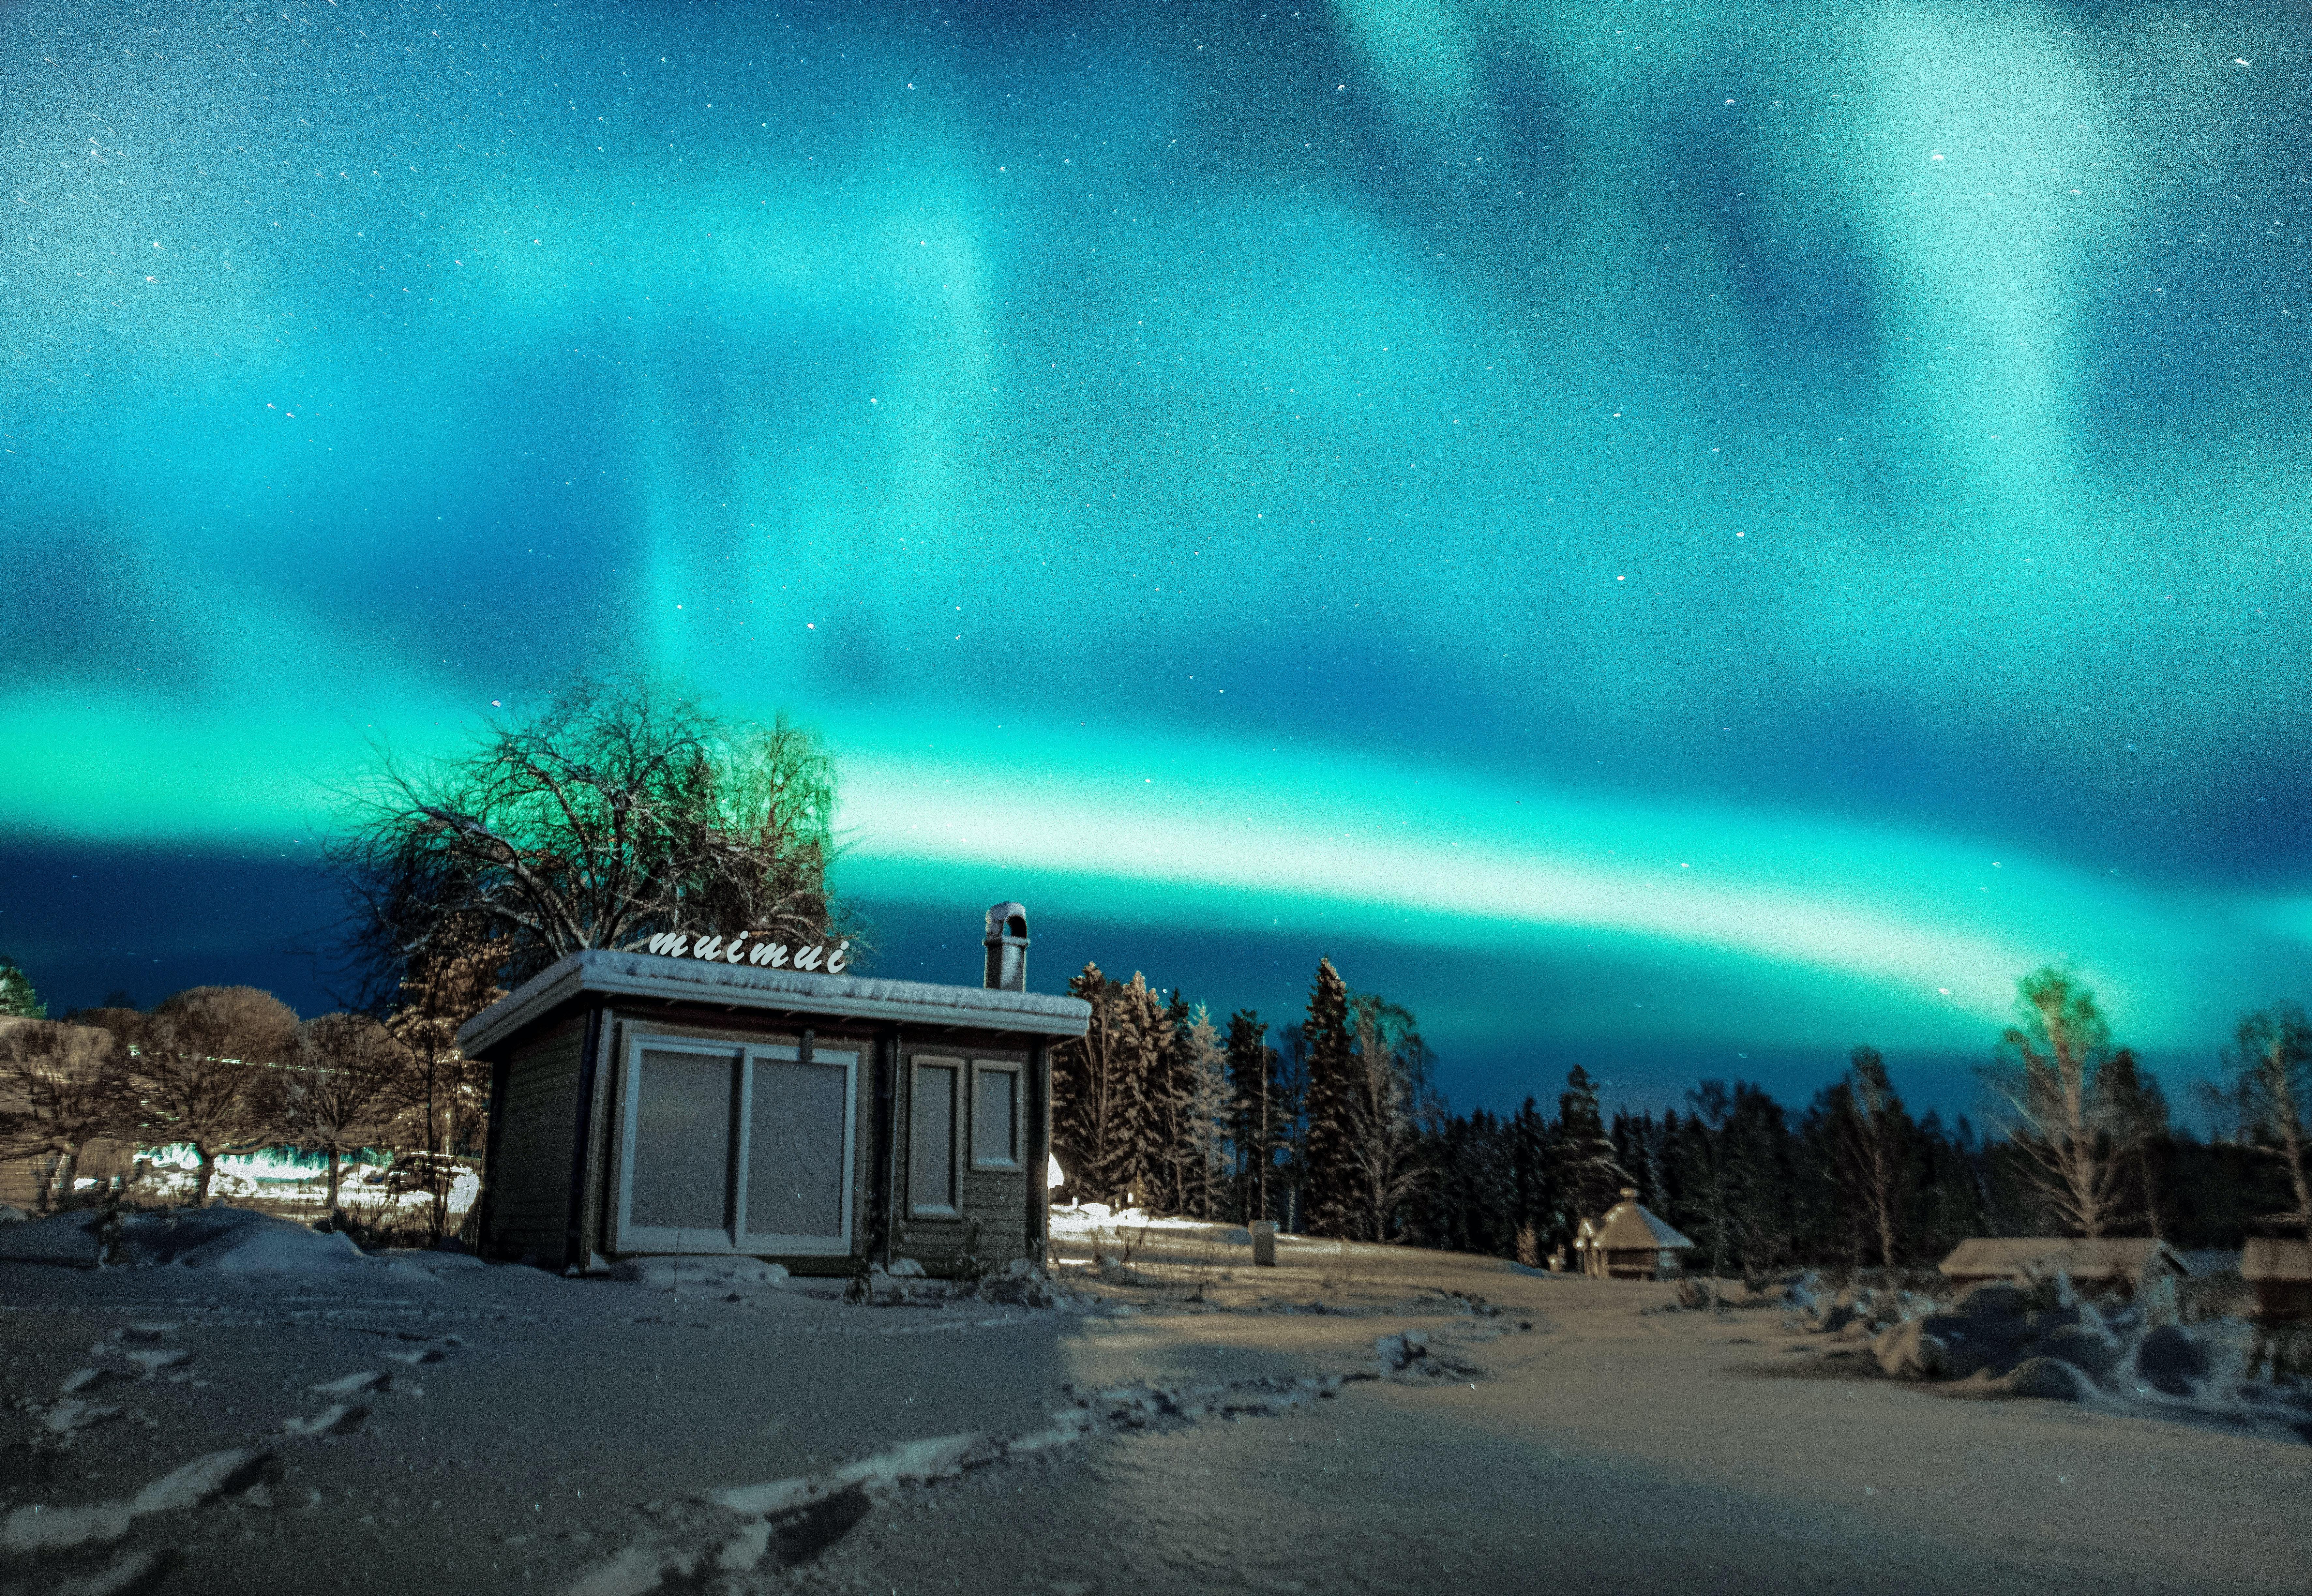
(2272, 1096)
(2048, 1096)
(1388, 1069)
(1867, 1126)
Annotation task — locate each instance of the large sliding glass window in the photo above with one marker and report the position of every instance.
(798, 1148)
(681, 1143)
(732, 1149)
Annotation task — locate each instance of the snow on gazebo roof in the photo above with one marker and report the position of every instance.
(1628, 1226)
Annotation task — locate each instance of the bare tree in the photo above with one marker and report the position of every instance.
(1868, 1125)
(199, 1074)
(1387, 1073)
(443, 1096)
(2138, 1130)
(342, 1091)
(616, 809)
(2049, 1097)
(2272, 1096)
(61, 1087)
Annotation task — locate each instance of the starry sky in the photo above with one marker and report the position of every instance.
(1676, 537)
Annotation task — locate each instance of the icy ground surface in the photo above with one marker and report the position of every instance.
(244, 1408)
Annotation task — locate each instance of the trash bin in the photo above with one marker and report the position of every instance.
(1264, 1242)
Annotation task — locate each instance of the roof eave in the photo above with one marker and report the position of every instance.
(614, 975)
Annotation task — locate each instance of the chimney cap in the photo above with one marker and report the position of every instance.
(1007, 920)
(1629, 1194)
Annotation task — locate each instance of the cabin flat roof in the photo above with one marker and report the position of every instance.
(2125, 1256)
(2267, 1258)
(651, 976)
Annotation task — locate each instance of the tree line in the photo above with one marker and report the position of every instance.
(227, 1070)
(1332, 1125)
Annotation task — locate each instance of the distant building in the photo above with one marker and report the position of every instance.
(1631, 1242)
(2124, 1264)
(2279, 1272)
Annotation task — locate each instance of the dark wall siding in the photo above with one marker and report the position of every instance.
(995, 1201)
(529, 1207)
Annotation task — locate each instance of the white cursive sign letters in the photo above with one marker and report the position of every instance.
(770, 955)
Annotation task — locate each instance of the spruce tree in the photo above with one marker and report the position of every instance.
(1329, 1177)
(1207, 1103)
(1142, 1034)
(1532, 1177)
(17, 999)
(1593, 1176)
(1086, 1112)
(1255, 1112)
(1171, 1117)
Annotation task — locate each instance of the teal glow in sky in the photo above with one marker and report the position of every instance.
(1663, 530)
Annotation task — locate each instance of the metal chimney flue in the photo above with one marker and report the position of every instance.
(1007, 947)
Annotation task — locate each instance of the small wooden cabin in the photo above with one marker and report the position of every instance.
(2278, 1273)
(2119, 1263)
(1631, 1242)
(650, 1103)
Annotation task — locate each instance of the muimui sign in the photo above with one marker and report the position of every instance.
(771, 955)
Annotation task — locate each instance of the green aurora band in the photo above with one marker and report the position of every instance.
(1811, 498)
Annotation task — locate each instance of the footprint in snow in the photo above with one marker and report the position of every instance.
(69, 1415)
(353, 1384)
(339, 1418)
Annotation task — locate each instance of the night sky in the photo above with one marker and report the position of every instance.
(1678, 537)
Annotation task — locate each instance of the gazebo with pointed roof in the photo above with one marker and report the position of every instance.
(1631, 1243)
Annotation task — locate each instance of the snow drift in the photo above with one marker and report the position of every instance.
(232, 1242)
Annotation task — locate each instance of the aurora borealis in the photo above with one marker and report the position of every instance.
(1684, 537)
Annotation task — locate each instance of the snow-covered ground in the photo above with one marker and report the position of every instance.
(247, 1397)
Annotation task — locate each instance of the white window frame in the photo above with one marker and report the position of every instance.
(734, 1237)
(959, 1113)
(1018, 1071)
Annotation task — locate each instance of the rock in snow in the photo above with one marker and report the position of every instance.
(2045, 1377)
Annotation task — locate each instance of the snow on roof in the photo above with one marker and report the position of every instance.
(1630, 1227)
(2267, 1258)
(2125, 1258)
(785, 991)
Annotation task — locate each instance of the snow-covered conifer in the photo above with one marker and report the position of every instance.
(1329, 1178)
